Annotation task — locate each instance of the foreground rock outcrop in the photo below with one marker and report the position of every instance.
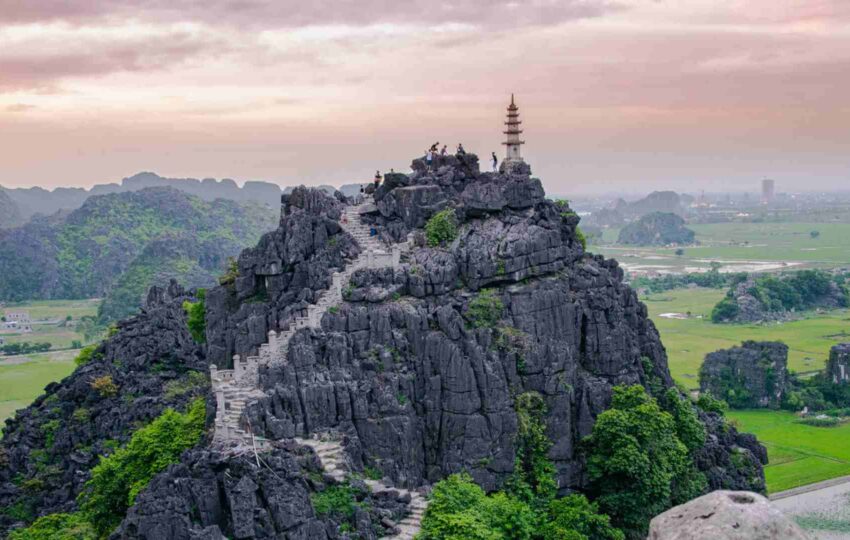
(725, 515)
(752, 375)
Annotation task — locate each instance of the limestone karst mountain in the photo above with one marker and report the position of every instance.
(413, 376)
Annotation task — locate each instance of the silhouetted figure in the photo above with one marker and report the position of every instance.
(443, 151)
(377, 179)
(495, 161)
(460, 150)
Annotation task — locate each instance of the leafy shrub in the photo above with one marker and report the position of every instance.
(194, 382)
(820, 421)
(485, 310)
(85, 355)
(581, 238)
(56, 527)
(196, 317)
(372, 473)
(81, 415)
(118, 478)
(441, 228)
(48, 429)
(232, 272)
(574, 517)
(709, 403)
(24, 347)
(335, 500)
(105, 386)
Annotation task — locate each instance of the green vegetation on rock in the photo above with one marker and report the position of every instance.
(117, 479)
(196, 317)
(485, 309)
(441, 228)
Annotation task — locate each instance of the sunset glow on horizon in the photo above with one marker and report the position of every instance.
(615, 96)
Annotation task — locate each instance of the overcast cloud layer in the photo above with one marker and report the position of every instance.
(626, 95)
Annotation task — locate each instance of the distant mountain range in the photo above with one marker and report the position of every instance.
(117, 245)
(18, 205)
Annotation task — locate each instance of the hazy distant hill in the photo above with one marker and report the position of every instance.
(117, 245)
(656, 229)
(37, 200)
(10, 215)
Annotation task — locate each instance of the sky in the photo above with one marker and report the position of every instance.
(616, 96)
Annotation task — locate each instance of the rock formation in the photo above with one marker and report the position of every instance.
(752, 375)
(838, 365)
(725, 515)
(416, 372)
(656, 229)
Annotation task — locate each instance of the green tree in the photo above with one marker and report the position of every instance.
(575, 518)
(117, 479)
(633, 457)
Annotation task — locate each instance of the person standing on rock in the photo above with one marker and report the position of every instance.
(377, 179)
(460, 150)
(443, 151)
(495, 161)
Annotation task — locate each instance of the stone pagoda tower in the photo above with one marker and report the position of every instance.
(513, 131)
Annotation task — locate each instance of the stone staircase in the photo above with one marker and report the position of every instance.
(332, 456)
(237, 387)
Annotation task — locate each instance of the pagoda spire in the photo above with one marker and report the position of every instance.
(513, 132)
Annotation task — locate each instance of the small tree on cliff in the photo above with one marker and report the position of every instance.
(634, 456)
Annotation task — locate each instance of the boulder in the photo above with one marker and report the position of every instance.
(725, 515)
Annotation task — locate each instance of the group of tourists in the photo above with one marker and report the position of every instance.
(435, 150)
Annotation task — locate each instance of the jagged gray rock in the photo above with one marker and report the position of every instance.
(725, 515)
(838, 365)
(752, 375)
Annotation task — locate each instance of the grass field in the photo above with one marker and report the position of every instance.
(23, 378)
(737, 244)
(688, 340)
(798, 454)
(49, 323)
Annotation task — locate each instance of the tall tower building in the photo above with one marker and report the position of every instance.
(513, 131)
(767, 190)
